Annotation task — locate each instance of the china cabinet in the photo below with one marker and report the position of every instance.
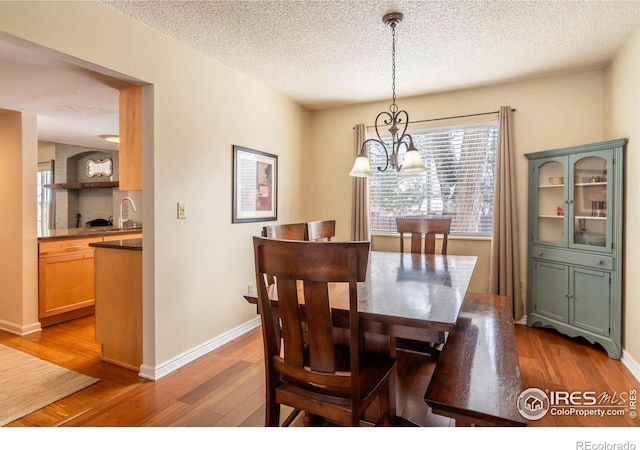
(575, 242)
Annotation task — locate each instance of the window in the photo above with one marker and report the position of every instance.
(44, 197)
(459, 181)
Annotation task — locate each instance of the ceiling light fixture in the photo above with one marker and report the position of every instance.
(412, 163)
(111, 138)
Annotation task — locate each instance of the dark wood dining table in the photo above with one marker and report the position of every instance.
(406, 295)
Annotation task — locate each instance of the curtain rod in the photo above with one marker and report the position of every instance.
(452, 117)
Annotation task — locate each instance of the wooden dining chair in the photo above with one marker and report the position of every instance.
(288, 231)
(321, 230)
(424, 228)
(305, 367)
(427, 228)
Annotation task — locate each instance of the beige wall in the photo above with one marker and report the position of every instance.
(18, 258)
(46, 151)
(552, 112)
(622, 115)
(198, 268)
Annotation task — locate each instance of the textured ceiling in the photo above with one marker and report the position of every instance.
(324, 53)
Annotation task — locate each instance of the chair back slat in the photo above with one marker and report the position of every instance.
(320, 326)
(292, 323)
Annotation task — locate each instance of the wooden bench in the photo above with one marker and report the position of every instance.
(477, 377)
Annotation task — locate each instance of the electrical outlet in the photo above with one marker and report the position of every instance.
(250, 288)
(182, 210)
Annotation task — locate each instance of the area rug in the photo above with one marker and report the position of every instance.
(28, 383)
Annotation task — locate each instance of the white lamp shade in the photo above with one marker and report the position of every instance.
(412, 164)
(361, 167)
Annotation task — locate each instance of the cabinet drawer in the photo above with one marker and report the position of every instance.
(573, 257)
(66, 246)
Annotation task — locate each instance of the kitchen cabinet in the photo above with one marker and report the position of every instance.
(118, 267)
(66, 281)
(575, 242)
(130, 147)
(65, 278)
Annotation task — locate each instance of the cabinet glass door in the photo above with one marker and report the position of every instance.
(591, 202)
(549, 226)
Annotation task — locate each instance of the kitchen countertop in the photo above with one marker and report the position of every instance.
(68, 233)
(125, 244)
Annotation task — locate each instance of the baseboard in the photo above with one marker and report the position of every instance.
(167, 367)
(522, 321)
(20, 330)
(164, 369)
(631, 364)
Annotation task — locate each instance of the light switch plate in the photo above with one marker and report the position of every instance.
(182, 210)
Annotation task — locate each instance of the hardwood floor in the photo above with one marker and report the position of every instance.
(225, 388)
(72, 345)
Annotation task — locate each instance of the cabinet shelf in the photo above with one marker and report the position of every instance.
(86, 185)
(603, 183)
(550, 216)
(591, 217)
(600, 183)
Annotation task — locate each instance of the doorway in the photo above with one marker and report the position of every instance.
(76, 103)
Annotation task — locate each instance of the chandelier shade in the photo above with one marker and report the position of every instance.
(397, 120)
(361, 167)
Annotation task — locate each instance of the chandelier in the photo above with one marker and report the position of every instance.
(398, 120)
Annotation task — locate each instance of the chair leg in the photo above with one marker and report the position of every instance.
(384, 400)
(272, 408)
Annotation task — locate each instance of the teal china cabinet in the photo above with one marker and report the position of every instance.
(575, 242)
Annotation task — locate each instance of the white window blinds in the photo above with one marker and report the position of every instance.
(459, 181)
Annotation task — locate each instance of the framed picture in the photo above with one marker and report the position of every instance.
(255, 185)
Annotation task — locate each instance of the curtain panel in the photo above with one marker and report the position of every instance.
(504, 272)
(360, 230)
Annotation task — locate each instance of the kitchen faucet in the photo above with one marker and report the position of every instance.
(133, 205)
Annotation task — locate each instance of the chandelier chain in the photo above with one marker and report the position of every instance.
(394, 107)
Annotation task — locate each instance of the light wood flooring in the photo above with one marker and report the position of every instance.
(225, 388)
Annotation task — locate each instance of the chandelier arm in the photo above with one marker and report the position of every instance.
(402, 138)
(389, 120)
(397, 120)
(384, 147)
(406, 148)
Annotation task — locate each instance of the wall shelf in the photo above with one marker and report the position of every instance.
(86, 185)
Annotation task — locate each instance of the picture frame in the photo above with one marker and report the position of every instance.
(255, 185)
(99, 167)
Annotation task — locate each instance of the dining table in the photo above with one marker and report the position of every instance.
(405, 295)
